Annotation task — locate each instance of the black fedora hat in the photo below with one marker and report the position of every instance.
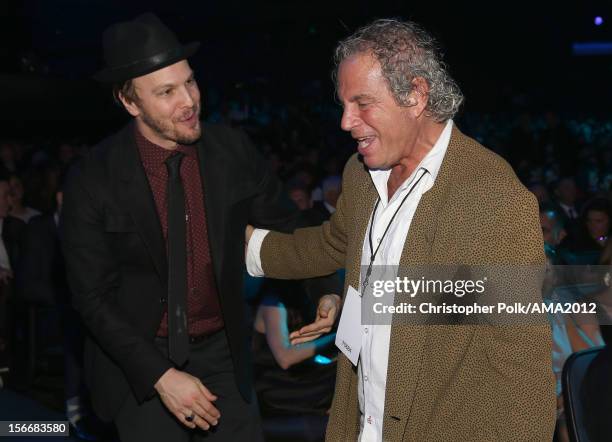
(139, 47)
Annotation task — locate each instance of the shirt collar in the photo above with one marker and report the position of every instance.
(153, 156)
(430, 164)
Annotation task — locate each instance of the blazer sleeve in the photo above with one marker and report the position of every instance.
(311, 251)
(35, 279)
(94, 278)
(270, 207)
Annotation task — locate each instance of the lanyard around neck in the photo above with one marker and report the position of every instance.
(373, 252)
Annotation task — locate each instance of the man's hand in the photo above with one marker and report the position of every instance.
(247, 237)
(5, 275)
(247, 233)
(329, 306)
(184, 395)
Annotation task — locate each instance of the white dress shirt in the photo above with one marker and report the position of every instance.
(570, 211)
(374, 356)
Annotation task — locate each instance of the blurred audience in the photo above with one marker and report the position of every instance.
(540, 191)
(563, 160)
(294, 383)
(584, 244)
(18, 207)
(11, 240)
(44, 283)
(566, 196)
(331, 187)
(9, 156)
(300, 194)
(597, 393)
(553, 231)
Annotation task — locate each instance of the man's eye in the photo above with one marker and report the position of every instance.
(362, 105)
(165, 92)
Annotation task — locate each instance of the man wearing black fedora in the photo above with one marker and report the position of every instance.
(152, 230)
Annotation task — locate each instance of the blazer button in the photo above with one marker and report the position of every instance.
(162, 300)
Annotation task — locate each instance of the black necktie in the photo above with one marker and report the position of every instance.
(178, 333)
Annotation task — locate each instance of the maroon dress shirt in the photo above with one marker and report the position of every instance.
(203, 309)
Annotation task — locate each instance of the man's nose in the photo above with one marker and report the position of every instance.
(349, 119)
(188, 97)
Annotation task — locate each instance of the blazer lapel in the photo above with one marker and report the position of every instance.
(135, 194)
(363, 205)
(407, 343)
(215, 183)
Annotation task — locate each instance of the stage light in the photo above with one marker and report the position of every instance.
(598, 21)
(592, 48)
(322, 360)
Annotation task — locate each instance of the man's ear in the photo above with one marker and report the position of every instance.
(418, 98)
(129, 105)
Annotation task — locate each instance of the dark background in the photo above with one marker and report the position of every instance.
(265, 66)
(506, 56)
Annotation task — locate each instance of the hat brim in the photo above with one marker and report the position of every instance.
(143, 67)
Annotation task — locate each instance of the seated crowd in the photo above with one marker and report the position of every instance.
(565, 164)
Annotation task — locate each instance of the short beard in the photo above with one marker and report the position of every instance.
(168, 132)
(187, 141)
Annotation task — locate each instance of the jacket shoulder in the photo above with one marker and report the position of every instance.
(355, 169)
(93, 173)
(97, 157)
(485, 169)
(224, 137)
(231, 149)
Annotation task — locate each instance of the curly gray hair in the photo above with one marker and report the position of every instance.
(405, 51)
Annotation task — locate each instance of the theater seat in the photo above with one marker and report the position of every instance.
(574, 374)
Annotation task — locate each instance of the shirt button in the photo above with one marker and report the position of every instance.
(370, 420)
(365, 378)
(163, 299)
(366, 330)
(378, 239)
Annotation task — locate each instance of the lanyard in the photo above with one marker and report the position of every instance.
(374, 252)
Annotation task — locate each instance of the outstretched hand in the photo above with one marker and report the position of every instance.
(327, 312)
(247, 233)
(247, 237)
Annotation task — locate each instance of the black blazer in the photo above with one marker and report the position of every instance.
(13, 231)
(116, 257)
(43, 275)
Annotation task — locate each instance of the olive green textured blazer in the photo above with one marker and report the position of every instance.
(444, 382)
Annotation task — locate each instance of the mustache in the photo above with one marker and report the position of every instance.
(188, 113)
